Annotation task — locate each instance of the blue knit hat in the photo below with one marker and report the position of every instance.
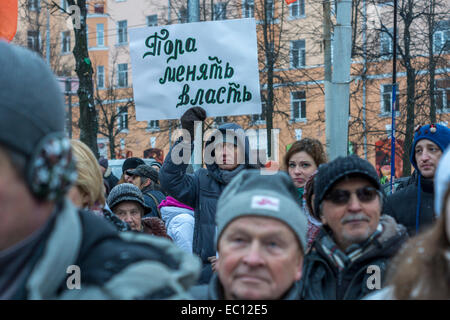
(436, 133)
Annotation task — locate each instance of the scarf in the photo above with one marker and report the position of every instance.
(227, 176)
(342, 259)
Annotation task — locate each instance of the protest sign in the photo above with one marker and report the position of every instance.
(211, 64)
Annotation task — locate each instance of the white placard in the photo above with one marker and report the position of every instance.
(211, 64)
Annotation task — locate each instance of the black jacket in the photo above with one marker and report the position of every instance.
(325, 279)
(112, 264)
(402, 205)
(201, 191)
(150, 202)
(110, 178)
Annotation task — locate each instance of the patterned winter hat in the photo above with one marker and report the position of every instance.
(436, 133)
(126, 192)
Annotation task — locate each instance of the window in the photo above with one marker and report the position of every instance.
(99, 8)
(442, 95)
(269, 10)
(122, 118)
(297, 9)
(122, 35)
(386, 101)
(152, 20)
(122, 75)
(65, 41)
(34, 41)
(34, 5)
(248, 8)
(220, 120)
(220, 11)
(441, 38)
(183, 15)
(64, 5)
(298, 105)
(100, 35)
(100, 77)
(386, 43)
(297, 53)
(153, 125)
(260, 118)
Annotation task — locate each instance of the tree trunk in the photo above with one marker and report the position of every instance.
(83, 67)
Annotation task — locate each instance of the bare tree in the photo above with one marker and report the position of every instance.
(83, 68)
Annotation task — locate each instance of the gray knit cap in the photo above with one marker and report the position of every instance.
(31, 102)
(330, 173)
(251, 193)
(126, 192)
(146, 171)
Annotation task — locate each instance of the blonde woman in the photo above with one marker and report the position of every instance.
(88, 191)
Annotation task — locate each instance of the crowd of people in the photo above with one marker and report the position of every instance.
(317, 229)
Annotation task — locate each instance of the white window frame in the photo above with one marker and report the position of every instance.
(271, 16)
(148, 19)
(297, 9)
(441, 39)
(383, 94)
(258, 119)
(34, 5)
(444, 96)
(65, 42)
(183, 15)
(122, 119)
(121, 73)
(64, 5)
(301, 54)
(100, 75)
(35, 38)
(220, 11)
(122, 32)
(248, 8)
(100, 34)
(385, 38)
(301, 106)
(152, 125)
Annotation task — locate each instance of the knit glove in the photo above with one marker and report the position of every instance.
(191, 115)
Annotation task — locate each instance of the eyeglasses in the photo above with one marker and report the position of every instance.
(341, 197)
(128, 173)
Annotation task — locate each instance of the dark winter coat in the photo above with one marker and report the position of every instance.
(402, 205)
(150, 202)
(325, 279)
(214, 291)
(199, 190)
(110, 178)
(112, 265)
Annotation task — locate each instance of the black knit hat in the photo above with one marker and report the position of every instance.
(145, 171)
(131, 163)
(330, 173)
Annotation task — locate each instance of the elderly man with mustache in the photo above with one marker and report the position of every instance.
(348, 259)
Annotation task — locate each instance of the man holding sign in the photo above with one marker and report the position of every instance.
(226, 154)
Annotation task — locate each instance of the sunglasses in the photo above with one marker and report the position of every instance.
(341, 197)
